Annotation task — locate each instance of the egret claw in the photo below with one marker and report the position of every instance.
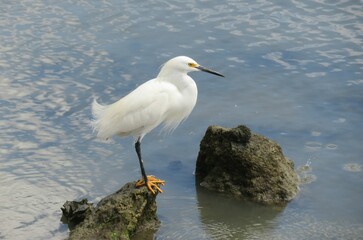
(152, 182)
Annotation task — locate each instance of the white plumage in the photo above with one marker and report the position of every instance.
(169, 99)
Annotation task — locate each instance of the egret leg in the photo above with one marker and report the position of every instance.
(138, 152)
(149, 181)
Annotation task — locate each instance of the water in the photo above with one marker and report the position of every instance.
(293, 73)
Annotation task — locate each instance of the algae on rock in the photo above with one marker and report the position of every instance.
(117, 216)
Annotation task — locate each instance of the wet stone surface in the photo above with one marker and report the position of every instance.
(246, 165)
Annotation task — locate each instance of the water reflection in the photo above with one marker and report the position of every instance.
(227, 218)
(293, 73)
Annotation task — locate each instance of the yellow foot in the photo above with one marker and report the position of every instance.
(152, 182)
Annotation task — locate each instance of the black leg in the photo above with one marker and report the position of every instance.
(138, 151)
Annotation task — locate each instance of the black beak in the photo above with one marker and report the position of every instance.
(208, 71)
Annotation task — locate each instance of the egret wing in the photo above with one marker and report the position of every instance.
(135, 114)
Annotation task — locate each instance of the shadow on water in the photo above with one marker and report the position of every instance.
(227, 218)
(145, 235)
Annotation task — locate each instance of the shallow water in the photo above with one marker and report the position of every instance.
(293, 73)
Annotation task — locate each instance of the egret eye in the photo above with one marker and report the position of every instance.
(192, 65)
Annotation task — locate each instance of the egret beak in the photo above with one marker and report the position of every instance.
(204, 69)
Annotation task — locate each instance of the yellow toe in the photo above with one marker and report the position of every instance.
(152, 182)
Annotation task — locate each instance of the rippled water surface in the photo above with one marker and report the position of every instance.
(293, 73)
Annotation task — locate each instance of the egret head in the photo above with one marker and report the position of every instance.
(185, 64)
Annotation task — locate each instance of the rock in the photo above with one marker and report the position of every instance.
(120, 215)
(75, 212)
(245, 165)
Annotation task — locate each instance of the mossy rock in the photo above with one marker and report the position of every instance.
(118, 216)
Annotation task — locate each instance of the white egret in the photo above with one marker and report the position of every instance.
(169, 99)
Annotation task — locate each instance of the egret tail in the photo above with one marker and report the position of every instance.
(98, 112)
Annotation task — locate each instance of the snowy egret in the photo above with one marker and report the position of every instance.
(169, 99)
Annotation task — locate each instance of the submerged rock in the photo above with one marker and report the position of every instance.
(245, 165)
(118, 216)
